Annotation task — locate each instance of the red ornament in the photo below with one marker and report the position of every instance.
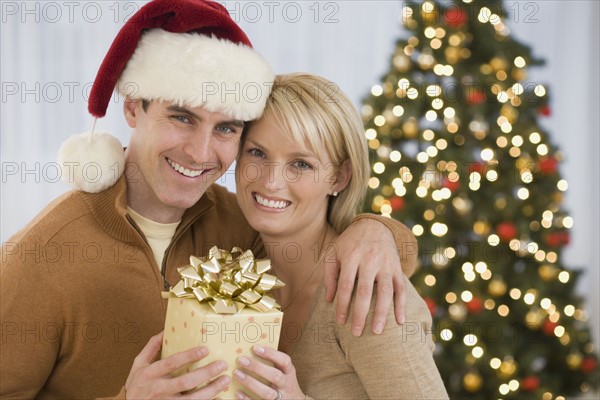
(478, 167)
(546, 110)
(397, 203)
(548, 165)
(548, 327)
(530, 383)
(431, 305)
(589, 364)
(475, 305)
(455, 17)
(558, 239)
(453, 186)
(506, 231)
(476, 97)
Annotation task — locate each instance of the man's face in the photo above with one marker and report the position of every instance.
(174, 155)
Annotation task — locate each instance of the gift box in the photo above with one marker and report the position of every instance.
(222, 303)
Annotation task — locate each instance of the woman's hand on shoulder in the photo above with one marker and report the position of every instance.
(281, 377)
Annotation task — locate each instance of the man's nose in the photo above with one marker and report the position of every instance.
(200, 147)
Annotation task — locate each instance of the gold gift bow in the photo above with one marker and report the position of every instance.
(228, 283)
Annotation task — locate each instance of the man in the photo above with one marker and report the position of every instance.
(81, 304)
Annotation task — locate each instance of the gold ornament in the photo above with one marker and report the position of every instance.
(519, 75)
(500, 203)
(510, 113)
(497, 288)
(524, 162)
(485, 69)
(557, 197)
(396, 133)
(410, 128)
(574, 360)
(498, 63)
(548, 272)
(507, 368)
(481, 228)
(374, 144)
(429, 14)
(472, 382)
(452, 55)
(534, 319)
(459, 140)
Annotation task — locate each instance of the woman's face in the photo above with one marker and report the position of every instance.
(282, 187)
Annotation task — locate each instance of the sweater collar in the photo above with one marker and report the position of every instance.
(109, 208)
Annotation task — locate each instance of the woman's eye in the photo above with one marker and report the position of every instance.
(256, 152)
(302, 164)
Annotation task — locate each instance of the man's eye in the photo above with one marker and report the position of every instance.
(182, 118)
(225, 129)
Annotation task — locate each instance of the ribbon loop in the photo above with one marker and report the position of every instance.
(228, 281)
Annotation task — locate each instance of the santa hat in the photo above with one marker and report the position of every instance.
(188, 52)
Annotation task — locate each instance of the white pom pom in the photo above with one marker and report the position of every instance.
(91, 162)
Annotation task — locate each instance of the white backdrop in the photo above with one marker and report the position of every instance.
(50, 52)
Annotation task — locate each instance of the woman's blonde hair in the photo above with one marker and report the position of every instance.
(314, 111)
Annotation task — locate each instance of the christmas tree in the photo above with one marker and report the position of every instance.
(458, 154)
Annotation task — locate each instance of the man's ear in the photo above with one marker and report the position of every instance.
(343, 176)
(131, 109)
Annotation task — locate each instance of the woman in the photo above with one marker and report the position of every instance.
(301, 174)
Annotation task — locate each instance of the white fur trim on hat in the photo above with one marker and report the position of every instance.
(197, 70)
(91, 162)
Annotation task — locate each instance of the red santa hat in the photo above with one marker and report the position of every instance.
(188, 52)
